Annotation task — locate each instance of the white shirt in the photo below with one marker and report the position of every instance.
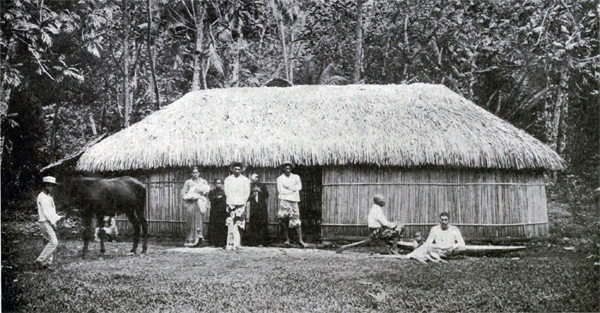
(289, 188)
(46, 209)
(376, 218)
(445, 238)
(237, 189)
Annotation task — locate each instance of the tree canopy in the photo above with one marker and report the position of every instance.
(72, 70)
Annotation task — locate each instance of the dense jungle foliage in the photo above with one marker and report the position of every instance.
(72, 70)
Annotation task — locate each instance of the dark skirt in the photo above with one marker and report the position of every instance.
(217, 230)
(257, 229)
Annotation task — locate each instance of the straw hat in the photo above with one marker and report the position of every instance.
(287, 163)
(236, 163)
(49, 180)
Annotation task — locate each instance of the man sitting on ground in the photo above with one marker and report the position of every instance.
(380, 227)
(446, 239)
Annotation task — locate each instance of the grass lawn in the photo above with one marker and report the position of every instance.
(270, 279)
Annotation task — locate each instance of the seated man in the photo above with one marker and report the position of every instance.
(446, 239)
(380, 227)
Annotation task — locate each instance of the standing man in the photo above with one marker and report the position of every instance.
(259, 214)
(237, 191)
(47, 222)
(288, 188)
(448, 239)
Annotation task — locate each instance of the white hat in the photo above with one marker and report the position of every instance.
(49, 180)
(378, 197)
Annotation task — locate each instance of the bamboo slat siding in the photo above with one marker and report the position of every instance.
(484, 204)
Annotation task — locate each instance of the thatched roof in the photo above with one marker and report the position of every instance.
(399, 125)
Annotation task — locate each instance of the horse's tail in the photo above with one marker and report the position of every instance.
(140, 191)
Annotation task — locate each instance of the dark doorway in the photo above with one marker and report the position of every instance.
(310, 201)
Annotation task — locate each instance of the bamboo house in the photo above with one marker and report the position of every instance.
(424, 147)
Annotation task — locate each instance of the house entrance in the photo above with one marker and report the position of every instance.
(310, 201)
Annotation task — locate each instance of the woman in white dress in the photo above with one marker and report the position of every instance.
(195, 204)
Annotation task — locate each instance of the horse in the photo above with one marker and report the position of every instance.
(99, 197)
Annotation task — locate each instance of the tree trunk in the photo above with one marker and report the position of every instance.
(554, 127)
(205, 67)
(126, 30)
(4, 98)
(359, 41)
(284, 48)
(133, 86)
(105, 100)
(54, 131)
(291, 79)
(83, 135)
(548, 110)
(93, 124)
(561, 125)
(151, 57)
(198, 52)
(235, 75)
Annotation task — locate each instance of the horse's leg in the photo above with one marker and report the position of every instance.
(87, 231)
(136, 231)
(144, 225)
(100, 221)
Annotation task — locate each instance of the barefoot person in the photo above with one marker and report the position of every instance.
(195, 203)
(237, 191)
(380, 227)
(107, 230)
(47, 222)
(288, 189)
(446, 239)
(217, 230)
(259, 213)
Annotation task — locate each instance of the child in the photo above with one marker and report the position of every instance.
(108, 231)
(423, 253)
(418, 241)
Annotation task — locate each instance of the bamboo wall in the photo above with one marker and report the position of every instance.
(164, 208)
(483, 204)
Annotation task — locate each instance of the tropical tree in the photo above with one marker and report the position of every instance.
(27, 33)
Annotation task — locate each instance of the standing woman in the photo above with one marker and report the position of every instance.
(259, 213)
(217, 230)
(194, 203)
